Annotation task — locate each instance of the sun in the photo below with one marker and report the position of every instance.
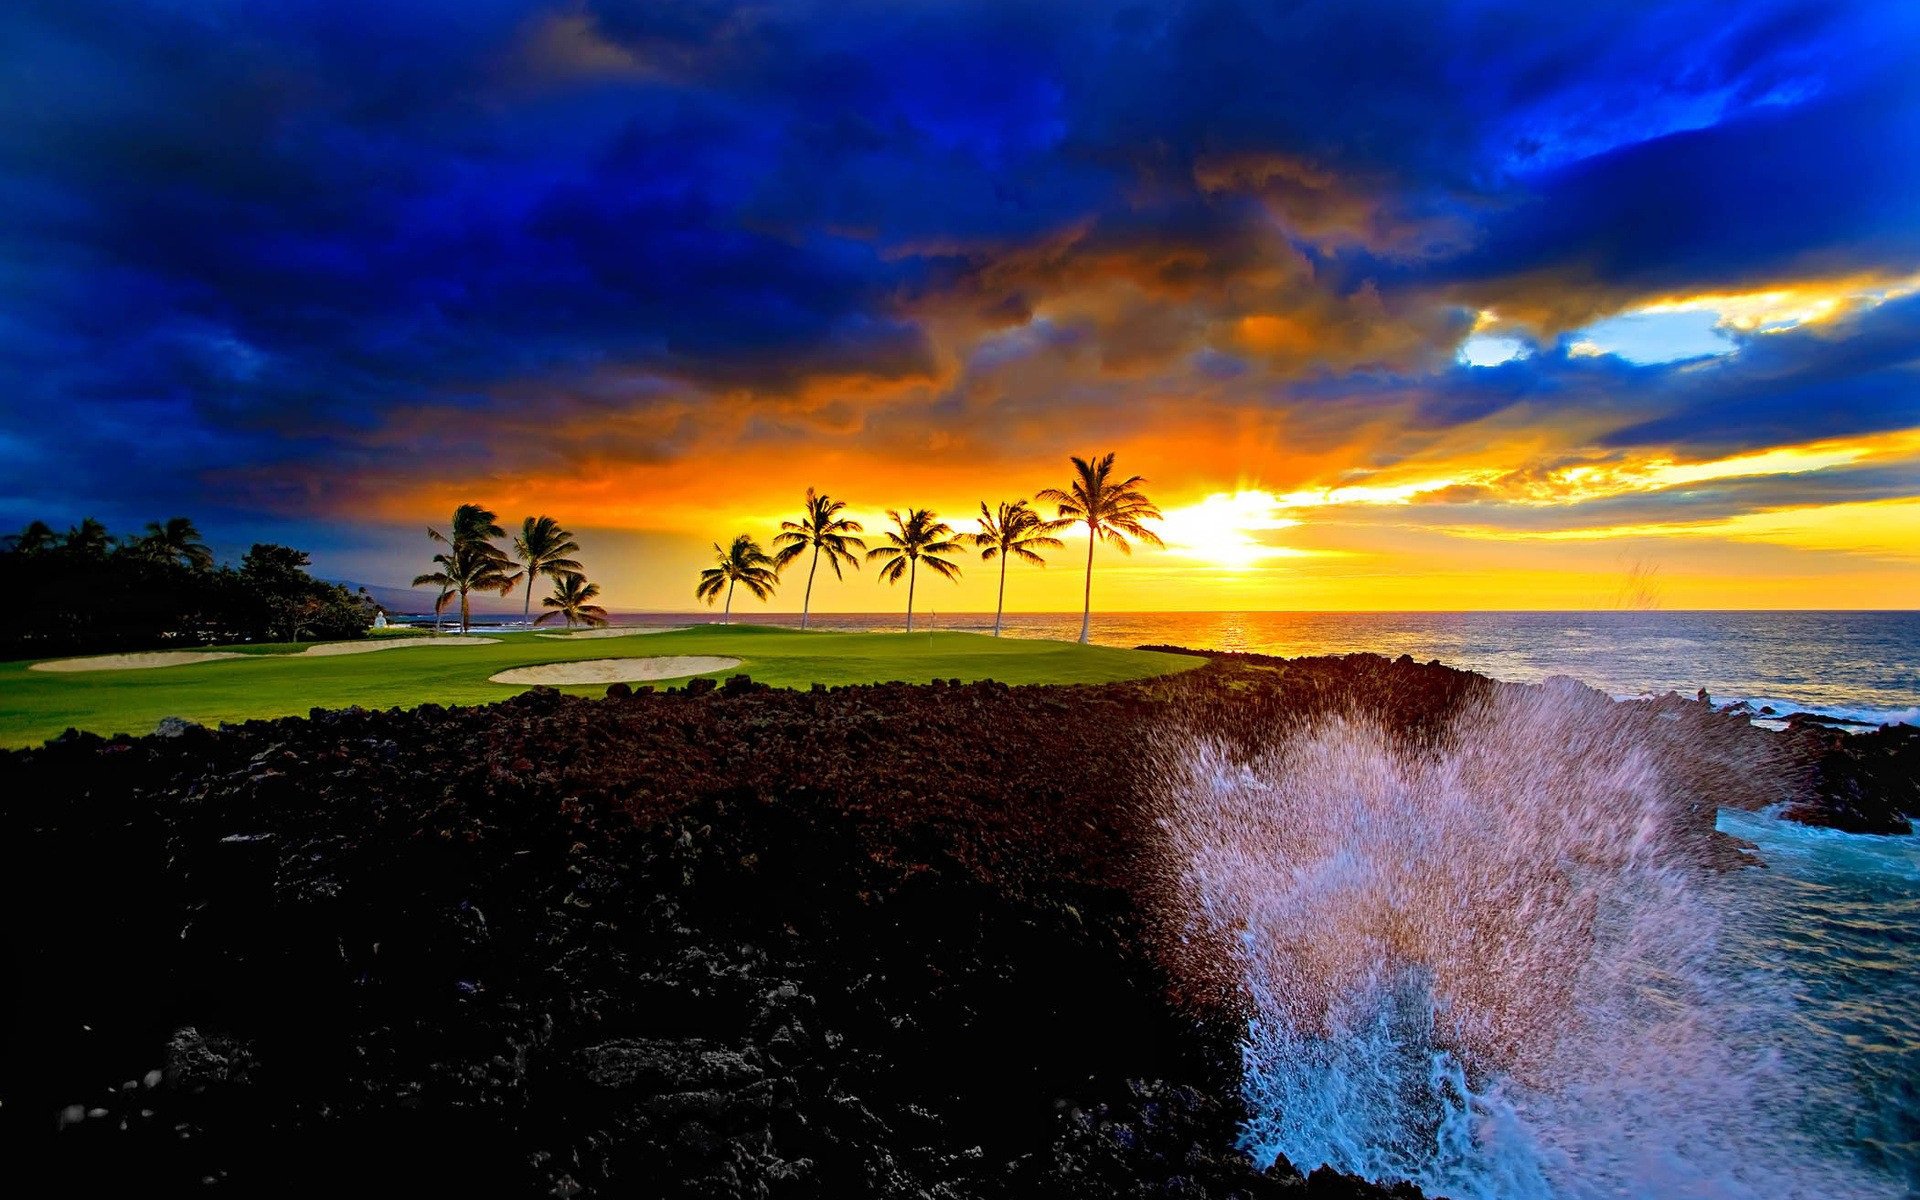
(1223, 529)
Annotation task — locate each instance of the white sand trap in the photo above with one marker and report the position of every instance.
(600, 633)
(180, 658)
(617, 670)
(134, 662)
(326, 649)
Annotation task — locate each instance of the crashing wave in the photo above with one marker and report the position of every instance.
(1487, 967)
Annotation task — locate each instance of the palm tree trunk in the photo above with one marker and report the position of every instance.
(1000, 605)
(806, 602)
(726, 618)
(439, 610)
(465, 616)
(526, 610)
(913, 567)
(1086, 611)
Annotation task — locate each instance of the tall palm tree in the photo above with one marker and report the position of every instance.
(916, 538)
(474, 528)
(821, 527)
(542, 547)
(467, 567)
(742, 562)
(1014, 531)
(573, 599)
(176, 541)
(1112, 510)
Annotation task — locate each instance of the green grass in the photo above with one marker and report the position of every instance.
(271, 682)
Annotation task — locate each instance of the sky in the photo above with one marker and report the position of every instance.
(1395, 305)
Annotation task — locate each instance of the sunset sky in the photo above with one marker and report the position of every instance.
(1396, 306)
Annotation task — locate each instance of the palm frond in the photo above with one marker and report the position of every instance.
(741, 561)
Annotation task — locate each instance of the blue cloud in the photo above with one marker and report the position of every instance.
(269, 237)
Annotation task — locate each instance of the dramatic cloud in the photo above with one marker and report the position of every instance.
(314, 265)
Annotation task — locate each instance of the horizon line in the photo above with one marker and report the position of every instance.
(715, 618)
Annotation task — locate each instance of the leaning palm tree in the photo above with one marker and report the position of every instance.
(441, 577)
(176, 541)
(466, 568)
(573, 599)
(542, 547)
(471, 523)
(742, 562)
(1014, 531)
(473, 531)
(914, 539)
(1112, 510)
(821, 527)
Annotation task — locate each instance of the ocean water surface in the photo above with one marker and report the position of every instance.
(1834, 923)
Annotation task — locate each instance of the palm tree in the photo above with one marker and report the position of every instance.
(821, 527)
(176, 541)
(89, 539)
(542, 547)
(467, 567)
(572, 598)
(914, 539)
(1113, 512)
(474, 529)
(741, 562)
(37, 538)
(1015, 530)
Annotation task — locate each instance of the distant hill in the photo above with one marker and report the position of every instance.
(420, 600)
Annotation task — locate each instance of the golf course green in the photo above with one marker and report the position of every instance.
(277, 681)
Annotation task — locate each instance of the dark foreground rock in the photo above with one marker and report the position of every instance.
(888, 941)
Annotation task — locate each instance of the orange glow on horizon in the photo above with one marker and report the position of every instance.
(1301, 534)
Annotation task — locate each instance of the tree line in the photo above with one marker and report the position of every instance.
(1112, 510)
(88, 590)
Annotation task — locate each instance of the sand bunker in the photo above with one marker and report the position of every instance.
(180, 658)
(134, 662)
(617, 670)
(326, 649)
(600, 633)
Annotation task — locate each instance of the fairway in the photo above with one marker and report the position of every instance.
(277, 681)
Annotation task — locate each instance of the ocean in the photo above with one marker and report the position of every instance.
(1833, 924)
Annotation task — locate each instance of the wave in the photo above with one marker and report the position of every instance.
(1485, 968)
(1863, 714)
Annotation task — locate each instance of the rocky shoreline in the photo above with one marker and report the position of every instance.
(883, 941)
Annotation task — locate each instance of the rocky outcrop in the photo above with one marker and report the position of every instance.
(730, 942)
(718, 941)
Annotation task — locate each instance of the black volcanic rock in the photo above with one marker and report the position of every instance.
(1861, 782)
(720, 941)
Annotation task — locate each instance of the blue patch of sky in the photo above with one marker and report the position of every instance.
(1492, 349)
(1662, 337)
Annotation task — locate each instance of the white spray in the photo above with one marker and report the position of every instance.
(1485, 968)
